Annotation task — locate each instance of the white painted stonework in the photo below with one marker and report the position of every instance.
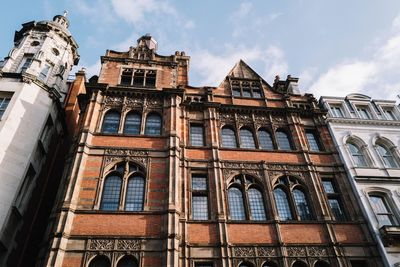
(34, 75)
(366, 123)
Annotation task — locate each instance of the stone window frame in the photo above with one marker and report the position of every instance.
(289, 137)
(317, 137)
(123, 113)
(389, 146)
(197, 123)
(340, 104)
(205, 193)
(112, 168)
(145, 70)
(5, 97)
(387, 196)
(367, 107)
(288, 187)
(244, 187)
(362, 146)
(336, 194)
(251, 90)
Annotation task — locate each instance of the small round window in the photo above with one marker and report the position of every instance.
(55, 51)
(35, 43)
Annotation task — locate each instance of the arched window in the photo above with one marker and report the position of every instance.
(246, 264)
(236, 207)
(270, 264)
(135, 194)
(282, 205)
(290, 199)
(111, 122)
(111, 193)
(245, 199)
(382, 210)
(256, 202)
(321, 264)
(100, 261)
(357, 155)
(228, 137)
(265, 140)
(127, 262)
(283, 140)
(387, 156)
(299, 264)
(133, 121)
(301, 205)
(153, 124)
(246, 138)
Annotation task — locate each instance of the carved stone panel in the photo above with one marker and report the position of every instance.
(101, 244)
(296, 251)
(113, 101)
(138, 156)
(266, 251)
(317, 251)
(125, 244)
(244, 252)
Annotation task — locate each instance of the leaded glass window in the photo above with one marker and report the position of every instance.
(333, 199)
(228, 138)
(135, 194)
(386, 156)
(236, 206)
(357, 155)
(196, 135)
(111, 193)
(265, 140)
(4, 101)
(313, 141)
(382, 210)
(336, 208)
(302, 206)
(111, 122)
(246, 139)
(256, 202)
(132, 123)
(153, 124)
(199, 197)
(282, 204)
(283, 140)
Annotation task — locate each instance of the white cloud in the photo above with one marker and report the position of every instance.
(212, 67)
(376, 76)
(243, 10)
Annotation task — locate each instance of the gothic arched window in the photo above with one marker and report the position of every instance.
(321, 264)
(247, 138)
(386, 156)
(246, 264)
(242, 190)
(228, 137)
(100, 261)
(134, 193)
(299, 264)
(111, 193)
(290, 199)
(111, 122)
(133, 122)
(153, 124)
(270, 264)
(265, 140)
(283, 140)
(357, 155)
(127, 261)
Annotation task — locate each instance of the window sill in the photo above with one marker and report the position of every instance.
(120, 212)
(198, 147)
(257, 149)
(128, 135)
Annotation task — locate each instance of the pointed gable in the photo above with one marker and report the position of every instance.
(242, 71)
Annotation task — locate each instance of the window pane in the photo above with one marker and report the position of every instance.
(45, 71)
(153, 124)
(256, 202)
(389, 114)
(228, 138)
(196, 135)
(246, 89)
(337, 111)
(247, 139)
(282, 205)
(100, 261)
(138, 77)
(203, 264)
(151, 78)
(283, 141)
(336, 209)
(236, 207)
(312, 141)
(132, 123)
(126, 77)
(200, 207)
(328, 187)
(358, 156)
(135, 194)
(4, 101)
(199, 183)
(387, 156)
(385, 217)
(235, 90)
(111, 193)
(111, 122)
(301, 205)
(364, 113)
(265, 140)
(127, 262)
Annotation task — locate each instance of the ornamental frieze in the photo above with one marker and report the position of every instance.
(126, 244)
(266, 252)
(232, 168)
(225, 118)
(317, 251)
(244, 252)
(296, 251)
(251, 252)
(113, 101)
(114, 244)
(113, 154)
(101, 244)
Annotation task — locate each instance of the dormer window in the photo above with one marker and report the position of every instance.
(138, 77)
(364, 112)
(337, 111)
(389, 114)
(248, 89)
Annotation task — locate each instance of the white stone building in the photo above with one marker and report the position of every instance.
(367, 135)
(33, 84)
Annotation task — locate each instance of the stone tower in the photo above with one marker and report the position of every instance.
(33, 85)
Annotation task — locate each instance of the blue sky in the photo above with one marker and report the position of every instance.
(334, 47)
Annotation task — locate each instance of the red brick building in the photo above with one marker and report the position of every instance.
(166, 174)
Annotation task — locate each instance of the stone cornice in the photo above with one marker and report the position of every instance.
(363, 121)
(132, 60)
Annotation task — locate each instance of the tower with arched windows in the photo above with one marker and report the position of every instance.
(33, 86)
(167, 174)
(367, 134)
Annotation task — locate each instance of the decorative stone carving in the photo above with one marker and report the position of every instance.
(126, 244)
(133, 102)
(278, 119)
(244, 119)
(262, 120)
(244, 252)
(101, 244)
(225, 118)
(231, 168)
(266, 251)
(317, 251)
(138, 156)
(113, 101)
(296, 251)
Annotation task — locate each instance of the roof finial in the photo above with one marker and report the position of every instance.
(65, 13)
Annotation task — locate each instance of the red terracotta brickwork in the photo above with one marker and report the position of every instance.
(202, 233)
(251, 234)
(304, 233)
